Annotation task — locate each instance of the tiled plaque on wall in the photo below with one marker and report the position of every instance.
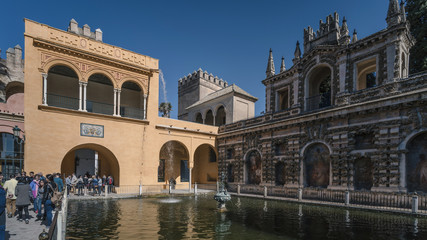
(91, 130)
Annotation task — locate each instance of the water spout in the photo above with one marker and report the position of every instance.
(163, 85)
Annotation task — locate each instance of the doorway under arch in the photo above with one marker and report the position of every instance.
(205, 168)
(92, 159)
(173, 163)
(416, 163)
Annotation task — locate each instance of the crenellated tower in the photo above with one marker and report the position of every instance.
(195, 86)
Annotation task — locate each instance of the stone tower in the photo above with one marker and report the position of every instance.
(194, 87)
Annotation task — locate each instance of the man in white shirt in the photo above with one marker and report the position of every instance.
(10, 186)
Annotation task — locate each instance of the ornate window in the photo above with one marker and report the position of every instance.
(366, 73)
(282, 99)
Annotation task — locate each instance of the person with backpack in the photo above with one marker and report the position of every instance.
(94, 184)
(110, 183)
(58, 181)
(23, 194)
(50, 189)
(10, 186)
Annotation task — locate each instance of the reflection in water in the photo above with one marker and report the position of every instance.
(245, 219)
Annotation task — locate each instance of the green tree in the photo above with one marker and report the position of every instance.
(165, 108)
(417, 17)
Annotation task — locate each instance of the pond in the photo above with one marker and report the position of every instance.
(197, 217)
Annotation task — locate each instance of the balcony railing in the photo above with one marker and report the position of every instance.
(98, 107)
(319, 101)
(131, 112)
(62, 101)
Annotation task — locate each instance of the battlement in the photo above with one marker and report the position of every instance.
(13, 58)
(199, 75)
(84, 31)
(329, 33)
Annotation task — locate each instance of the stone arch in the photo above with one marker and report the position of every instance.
(198, 118)
(128, 79)
(209, 117)
(403, 146)
(63, 62)
(315, 96)
(63, 87)
(316, 170)
(416, 162)
(253, 167)
(79, 159)
(102, 72)
(173, 162)
(220, 115)
(205, 168)
(13, 88)
(131, 100)
(100, 92)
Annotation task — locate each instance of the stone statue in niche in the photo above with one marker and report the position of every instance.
(421, 172)
(317, 166)
(253, 167)
(416, 164)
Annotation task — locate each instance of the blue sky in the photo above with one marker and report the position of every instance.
(229, 39)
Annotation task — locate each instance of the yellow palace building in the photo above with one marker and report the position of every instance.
(91, 107)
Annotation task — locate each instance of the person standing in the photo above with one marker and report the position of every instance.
(49, 190)
(94, 184)
(39, 198)
(10, 186)
(80, 185)
(68, 184)
(2, 213)
(99, 185)
(58, 181)
(34, 188)
(23, 193)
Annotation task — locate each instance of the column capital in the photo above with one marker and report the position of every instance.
(84, 84)
(44, 75)
(145, 95)
(119, 90)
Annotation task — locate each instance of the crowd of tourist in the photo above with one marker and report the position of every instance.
(43, 192)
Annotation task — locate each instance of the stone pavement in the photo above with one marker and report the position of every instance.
(21, 231)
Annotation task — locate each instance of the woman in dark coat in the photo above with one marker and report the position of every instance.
(23, 193)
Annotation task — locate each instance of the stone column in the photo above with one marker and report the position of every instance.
(189, 182)
(145, 105)
(118, 104)
(115, 102)
(84, 96)
(44, 101)
(80, 95)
